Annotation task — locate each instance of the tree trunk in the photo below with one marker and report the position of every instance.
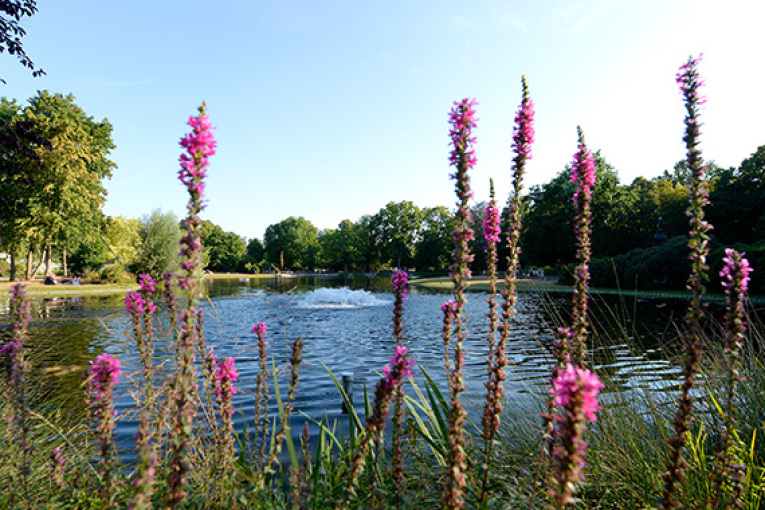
(49, 260)
(30, 261)
(12, 276)
(63, 261)
(39, 265)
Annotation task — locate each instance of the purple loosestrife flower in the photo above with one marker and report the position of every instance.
(170, 301)
(575, 392)
(491, 231)
(296, 357)
(583, 175)
(449, 309)
(523, 138)
(730, 479)
(13, 356)
(147, 283)
(399, 279)
(140, 308)
(462, 120)
(394, 376)
(199, 146)
(688, 79)
(134, 303)
(225, 376)
(56, 464)
(103, 376)
(261, 392)
(523, 132)
(491, 228)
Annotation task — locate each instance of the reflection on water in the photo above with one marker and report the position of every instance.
(346, 325)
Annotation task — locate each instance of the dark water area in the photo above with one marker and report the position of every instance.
(346, 324)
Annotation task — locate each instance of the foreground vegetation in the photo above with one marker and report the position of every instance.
(641, 449)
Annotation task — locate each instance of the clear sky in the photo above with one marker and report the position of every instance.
(331, 109)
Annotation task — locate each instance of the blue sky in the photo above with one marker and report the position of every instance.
(331, 109)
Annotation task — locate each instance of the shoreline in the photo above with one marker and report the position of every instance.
(37, 288)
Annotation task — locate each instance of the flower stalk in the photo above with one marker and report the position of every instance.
(690, 83)
(523, 138)
(394, 376)
(199, 146)
(583, 175)
(399, 279)
(13, 358)
(575, 393)
(462, 120)
(103, 376)
(730, 478)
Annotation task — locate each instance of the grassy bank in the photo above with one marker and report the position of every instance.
(37, 288)
(549, 285)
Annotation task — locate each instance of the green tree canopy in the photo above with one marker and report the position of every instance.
(225, 250)
(160, 243)
(343, 248)
(434, 247)
(295, 241)
(395, 229)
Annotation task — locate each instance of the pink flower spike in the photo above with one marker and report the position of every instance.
(575, 383)
(260, 329)
(491, 223)
(225, 376)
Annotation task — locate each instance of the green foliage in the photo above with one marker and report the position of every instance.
(294, 241)
(658, 268)
(54, 159)
(434, 247)
(88, 255)
(343, 249)
(255, 250)
(225, 251)
(160, 236)
(395, 230)
(12, 32)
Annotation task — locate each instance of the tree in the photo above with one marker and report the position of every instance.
(395, 230)
(11, 32)
(433, 249)
(737, 208)
(547, 237)
(225, 250)
(612, 208)
(18, 142)
(160, 243)
(478, 244)
(255, 250)
(57, 193)
(342, 249)
(292, 243)
(117, 243)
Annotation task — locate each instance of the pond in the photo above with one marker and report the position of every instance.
(346, 325)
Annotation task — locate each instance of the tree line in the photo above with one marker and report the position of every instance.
(55, 157)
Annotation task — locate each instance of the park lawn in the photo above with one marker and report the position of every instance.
(39, 289)
(482, 283)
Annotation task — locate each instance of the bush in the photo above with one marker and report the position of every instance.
(116, 273)
(664, 267)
